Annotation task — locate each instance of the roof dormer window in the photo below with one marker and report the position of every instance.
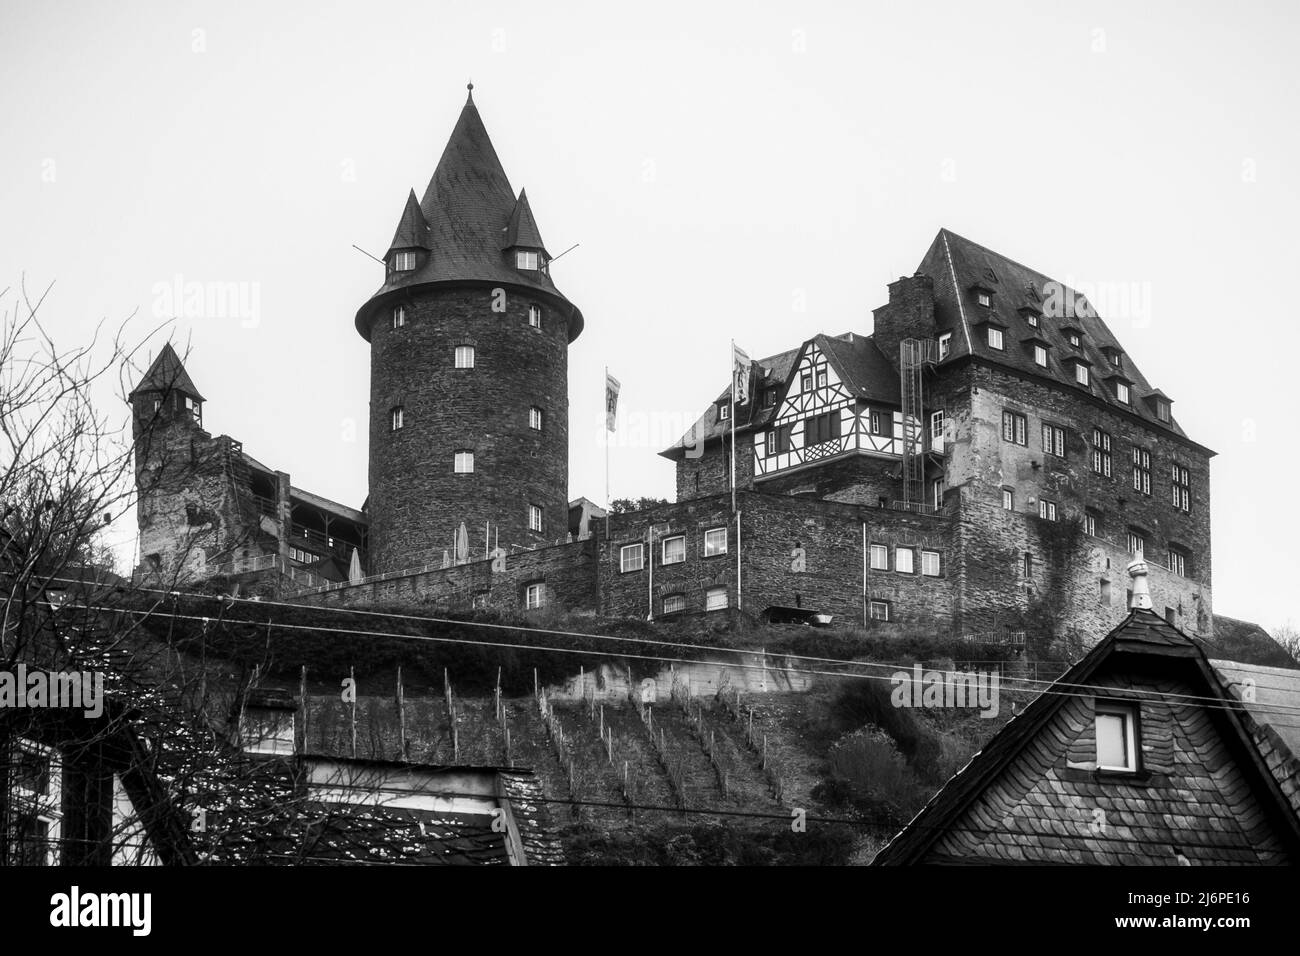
(1162, 410)
(984, 299)
(1081, 373)
(995, 337)
(403, 261)
(526, 259)
(1040, 356)
(1122, 392)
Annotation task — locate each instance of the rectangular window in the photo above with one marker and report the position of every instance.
(525, 260)
(715, 542)
(464, 356)
(1162, 410)
(1116, 733)
(983, 299)
(534, 518)
(535, 316)
(879, 557)
(1027, 565)
(35, 804)
(904, 559)
(1101, 459)
(769, 443)
(1032, 319)
(820, 428)
(404, 262)
(1008, 499)
(674, 603)
(784, 438)
(769, 397)
(674, 549)
(1081, 373)
(1091, 524)
(1015, 428)
(396, 418)
(724, 411)
(1178, 562)
(936, 494)
(805, 383)
(882, 422)
(464, 463)
(715, 599)
(1040, 356)
(879, 610)
(936, 428)
(631, 557)
(1182, 488)
(535, 418)
(930, 563)
(1122, 392)
(1046, 509)
(945, 345)
(1137, 543)
(533, 595)
(1141, 470)
(995, 338)
(1054, 440)
(399, 317)
(822, 379)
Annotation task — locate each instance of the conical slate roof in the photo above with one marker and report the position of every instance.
(412, 229)
(167, 374)
(523, 231)
(471, 214)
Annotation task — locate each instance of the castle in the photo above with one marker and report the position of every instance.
(988, 460)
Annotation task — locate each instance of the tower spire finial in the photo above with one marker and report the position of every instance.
(470, 86)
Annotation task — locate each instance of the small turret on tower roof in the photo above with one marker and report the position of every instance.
(167, 374)
(412, 229)
(522, 232)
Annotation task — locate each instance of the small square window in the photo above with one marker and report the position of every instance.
(1032, 319)
(715, 599)
(879, 557)
(930, 563)
(879, 610)
(526, 260)
(534, 518)
(715, 542)
(1075, 340)
(403, 261)
(904, 560)
(674, 603)
(1116, 731)
(674, 549)
(464, 462)
(534, 595)
(983, 299)
(995, 338)
(631, 557)
(464, 356)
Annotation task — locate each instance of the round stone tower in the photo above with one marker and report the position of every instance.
(469, 341)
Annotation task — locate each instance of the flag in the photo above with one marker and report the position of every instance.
(739, 374)
(611, 400)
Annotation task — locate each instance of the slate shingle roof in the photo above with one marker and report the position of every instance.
(468, 207)
(167, 374)
(1213, 788)
(958, 265)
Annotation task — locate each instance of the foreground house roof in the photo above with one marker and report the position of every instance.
(1217, 785)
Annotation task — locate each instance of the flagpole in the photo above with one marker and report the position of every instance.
(607, 434)
(731, 362)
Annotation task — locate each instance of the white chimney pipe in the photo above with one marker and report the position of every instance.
(1141, 590)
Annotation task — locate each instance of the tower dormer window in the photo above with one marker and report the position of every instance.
(403, 261)
(527, 260)
(535, 316)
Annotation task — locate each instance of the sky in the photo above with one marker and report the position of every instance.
(755, 171)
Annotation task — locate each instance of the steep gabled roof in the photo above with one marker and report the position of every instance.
(167, 374)
(412, 229)
(861, 367)
(468, 207)
(1142, 639)
(958, 265)
(522, 230)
